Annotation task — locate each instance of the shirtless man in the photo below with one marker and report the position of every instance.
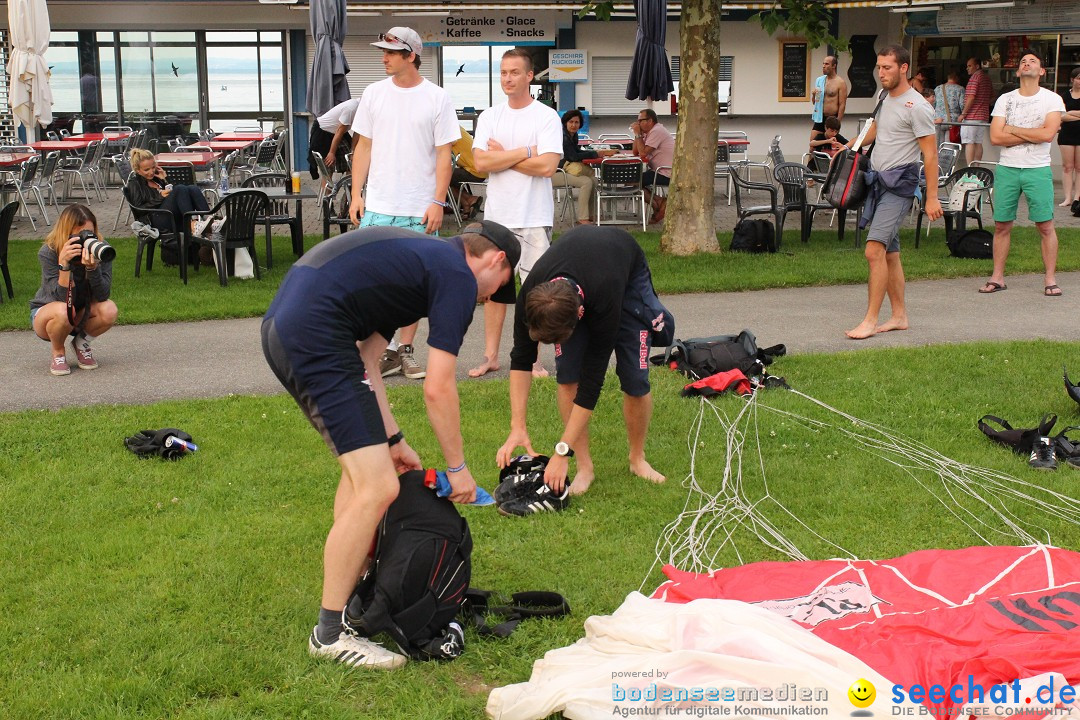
(829, 97)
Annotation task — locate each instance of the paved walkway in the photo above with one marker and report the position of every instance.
(147, 363)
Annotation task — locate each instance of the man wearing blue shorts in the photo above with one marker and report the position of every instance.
(590, 295)
(358, 289)
(904, 129)
(1024, 123)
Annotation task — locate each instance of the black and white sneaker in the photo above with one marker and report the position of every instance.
(1042, 455)
(542, 499)
(524, 475)
(355, 651)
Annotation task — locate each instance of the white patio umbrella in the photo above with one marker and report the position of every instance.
(28, 92)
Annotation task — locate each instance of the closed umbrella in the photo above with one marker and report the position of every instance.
(650, 74)
(327, 86)
(29, 94)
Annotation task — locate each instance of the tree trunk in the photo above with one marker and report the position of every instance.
(689, 225)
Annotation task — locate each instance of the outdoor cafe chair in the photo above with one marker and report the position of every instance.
(82, 169)
(263, 160)
(619, 182)
(50, 135)
(743, 206)
(165, 225)
(658, 190)
(21, 182)
(972, 206)
(278, 212)
(334, 206)
(278, 164)
(242, 210)
(46, 176)
(179, 173)
(326, 178)
(123, 168)
(564, 195)
(7, 216)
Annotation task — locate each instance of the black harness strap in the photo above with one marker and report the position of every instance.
(523, 605)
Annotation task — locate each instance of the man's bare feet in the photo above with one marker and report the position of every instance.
(893, 323)
(539, 371)
(582, 480)
(643, 469)
(484, 368)
(1065, 203)
(864, 330)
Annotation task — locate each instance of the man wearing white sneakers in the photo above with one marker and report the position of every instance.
(519, 143)
(404, 126)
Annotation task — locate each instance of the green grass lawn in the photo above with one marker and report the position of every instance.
(137, 589)
(159, 296)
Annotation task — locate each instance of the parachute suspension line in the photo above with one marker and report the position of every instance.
(712, 516)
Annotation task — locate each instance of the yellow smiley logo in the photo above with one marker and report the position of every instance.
(862, 693)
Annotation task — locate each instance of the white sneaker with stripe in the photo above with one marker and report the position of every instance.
(355, 651)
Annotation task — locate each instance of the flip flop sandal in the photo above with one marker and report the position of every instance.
(1048, 291)
(994, 287)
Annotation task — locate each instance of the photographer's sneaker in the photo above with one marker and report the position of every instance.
(409, 367)
(390, 364)
(59, 366)
(84, 355)
(1042, 455)
(355, 651)
(140, 228)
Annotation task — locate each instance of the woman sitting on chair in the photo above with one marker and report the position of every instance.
(579, 175)
(150, 189)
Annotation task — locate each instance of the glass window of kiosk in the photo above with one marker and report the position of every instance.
(1000, 56)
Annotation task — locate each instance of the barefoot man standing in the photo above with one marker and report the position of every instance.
(904, 128)
(590, 295)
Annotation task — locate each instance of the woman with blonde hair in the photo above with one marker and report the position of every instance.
(73, 300)
(149, 189)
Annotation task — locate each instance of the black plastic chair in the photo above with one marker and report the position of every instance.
(335, 206)
(620, 182)
(7, 216)
(278, 213)
(243, 210)
(179, 174)
(775, 207)
(166, 227)
(958, 218)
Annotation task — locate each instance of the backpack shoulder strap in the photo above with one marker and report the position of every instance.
(523, 605)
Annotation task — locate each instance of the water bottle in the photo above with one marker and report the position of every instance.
(224, 186)
(172, 440)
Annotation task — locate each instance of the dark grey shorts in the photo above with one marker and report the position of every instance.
(888, 217)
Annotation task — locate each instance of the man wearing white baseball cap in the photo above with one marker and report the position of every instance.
(404, 125)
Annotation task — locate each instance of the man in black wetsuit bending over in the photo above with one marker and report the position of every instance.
(590, 295)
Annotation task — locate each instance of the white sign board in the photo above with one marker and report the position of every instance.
(568, 65)
(492, 28)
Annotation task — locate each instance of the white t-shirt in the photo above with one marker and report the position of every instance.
(515, 199)
(405, 126)
(340, 114)
(1027, 111)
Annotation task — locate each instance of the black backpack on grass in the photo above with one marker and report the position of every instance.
(754, 236)
(977, 244)
(699, 358)
(417, 581)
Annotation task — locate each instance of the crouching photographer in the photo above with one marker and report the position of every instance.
(76, 279)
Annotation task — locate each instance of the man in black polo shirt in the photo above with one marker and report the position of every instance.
(590, 295)
(358, 289)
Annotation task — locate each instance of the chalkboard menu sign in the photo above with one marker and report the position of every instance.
(794, 70)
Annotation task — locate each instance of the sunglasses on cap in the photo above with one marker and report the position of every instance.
(387, 37)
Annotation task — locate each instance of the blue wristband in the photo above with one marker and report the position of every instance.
(457, 469)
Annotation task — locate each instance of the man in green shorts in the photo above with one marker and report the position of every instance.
(1023, 124)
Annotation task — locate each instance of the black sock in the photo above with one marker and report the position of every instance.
(329, 627)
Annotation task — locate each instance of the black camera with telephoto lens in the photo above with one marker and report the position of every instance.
(101, 250)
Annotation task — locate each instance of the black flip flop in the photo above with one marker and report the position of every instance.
(994, 287)
(1048, 291)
